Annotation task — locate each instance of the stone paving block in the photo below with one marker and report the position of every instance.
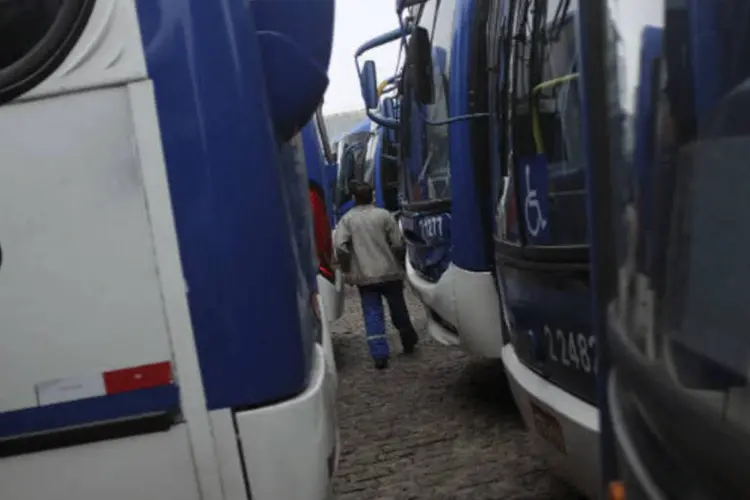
(434, 426)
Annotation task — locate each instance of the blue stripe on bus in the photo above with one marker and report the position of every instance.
(89, 411)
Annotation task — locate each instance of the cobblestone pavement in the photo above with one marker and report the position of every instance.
(434, 426)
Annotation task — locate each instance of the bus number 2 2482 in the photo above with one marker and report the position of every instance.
(573, 350)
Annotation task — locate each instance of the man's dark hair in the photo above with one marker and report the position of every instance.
(362, 193)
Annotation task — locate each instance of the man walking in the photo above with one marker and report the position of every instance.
(367, 240)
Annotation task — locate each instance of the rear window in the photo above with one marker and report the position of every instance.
(35, 37)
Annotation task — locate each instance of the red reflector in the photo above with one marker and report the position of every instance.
(322, 231)
(327, 273)
(138, 377)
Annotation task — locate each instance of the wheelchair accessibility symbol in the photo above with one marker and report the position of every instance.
(535, 221)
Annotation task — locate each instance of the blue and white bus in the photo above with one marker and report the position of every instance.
(541, 239)
(161, 331)
(369, 153)
(351, 150)
(668, 89)
(443, 134)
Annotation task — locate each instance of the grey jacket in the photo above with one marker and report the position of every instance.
(372, 235)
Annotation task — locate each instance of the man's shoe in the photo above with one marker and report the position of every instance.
(381, 364)
(409, 341)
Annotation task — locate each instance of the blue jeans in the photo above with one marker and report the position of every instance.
(374, 315)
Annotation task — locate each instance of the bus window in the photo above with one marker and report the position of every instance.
(351, 163)
(675, 180)
(369, 169)
(431, 181)
(543, 125)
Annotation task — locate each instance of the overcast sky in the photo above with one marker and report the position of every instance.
(356, 22)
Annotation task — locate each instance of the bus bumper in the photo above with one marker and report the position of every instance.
(327, 338)
(578, 462)
(332, 295)
(291, 449)
(467, 300)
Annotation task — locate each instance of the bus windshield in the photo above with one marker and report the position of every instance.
(543, 125)
(389, 173)
(679, 126)
(351, 163)
(430, 178)
(381, 169)
(369, 170)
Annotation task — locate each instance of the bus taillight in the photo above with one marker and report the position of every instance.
(322, 228)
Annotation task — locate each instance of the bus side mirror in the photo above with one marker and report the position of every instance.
(369, 86)
(368, 79)
(419, 63)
